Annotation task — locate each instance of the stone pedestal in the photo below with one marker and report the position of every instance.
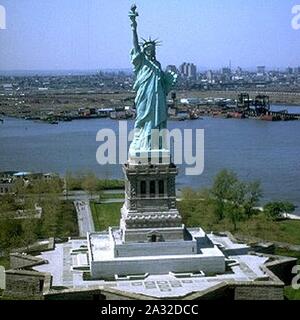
(150, 203)
(151, 238)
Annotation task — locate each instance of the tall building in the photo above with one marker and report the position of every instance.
(192, 71)
(226, 71)
(183, 69)
(297, 70)
(261, 70)
(210, 76)
(239, 70)
(171, 68)
(188, 70)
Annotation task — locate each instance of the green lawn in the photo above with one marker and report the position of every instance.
(259, 226)
(291, 294)
(194, 214)
(288, 253)
(290, 230)
(4, 262)
(281, 231)
(107, 196)
(106, 215)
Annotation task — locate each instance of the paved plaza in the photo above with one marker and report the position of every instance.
(60, 262)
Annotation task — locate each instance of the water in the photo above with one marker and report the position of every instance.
(289, 108)
(268, 151)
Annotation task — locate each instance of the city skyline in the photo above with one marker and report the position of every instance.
(248, 35)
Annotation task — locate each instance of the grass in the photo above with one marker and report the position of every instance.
(76, 183)
(107, 196)
(259, 226)
(111, 184)
(67, 217)
(4, 262)
(290, 230)
(105, 215)
(280, 231)
(288, 253)
(289, 292)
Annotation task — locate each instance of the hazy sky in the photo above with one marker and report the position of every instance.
(95, 34)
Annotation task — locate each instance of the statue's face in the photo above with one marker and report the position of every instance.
(150, 51)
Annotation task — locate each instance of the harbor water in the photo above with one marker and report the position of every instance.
(255, 150)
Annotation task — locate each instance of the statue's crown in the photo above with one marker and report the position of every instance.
(148, 42)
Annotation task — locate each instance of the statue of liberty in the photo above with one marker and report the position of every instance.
(152, 86)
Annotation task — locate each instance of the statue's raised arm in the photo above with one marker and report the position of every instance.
(133, 14)
(152, 86)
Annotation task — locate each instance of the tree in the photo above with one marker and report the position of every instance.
(73, 182)
(275, 210)
(235, 197)
(29, 228)
(89, 183)
(50, 219)
(19, 188)
(222, 185)
(188, 197)
(10, 232)
(253, 193)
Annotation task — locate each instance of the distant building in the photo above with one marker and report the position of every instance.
(289, 70)
(183, 69)
(188, 70)
(192, 71)
(7, 87)
(239, 70)
(9, 178)
(189, 101)
(226, 71)
(6, 182)
(210, 76)
(6, 186)
(297, 70)
(261, 70)
(172, 68)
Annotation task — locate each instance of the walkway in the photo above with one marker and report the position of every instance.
(85, 218)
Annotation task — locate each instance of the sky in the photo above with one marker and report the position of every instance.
(96, 34)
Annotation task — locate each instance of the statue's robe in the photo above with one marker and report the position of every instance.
(152, 86)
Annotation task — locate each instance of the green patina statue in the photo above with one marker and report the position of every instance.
(152, 86)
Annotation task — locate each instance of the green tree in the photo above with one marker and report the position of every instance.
(275, 210)
(90, 183)
(29, 231)
(189, 202)
(222, 185)
(73, 182)
(253, 194)
(10, 233)
(19, 188)
(50, 221)
(235, 197)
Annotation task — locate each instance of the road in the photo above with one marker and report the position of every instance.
(85, 218)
